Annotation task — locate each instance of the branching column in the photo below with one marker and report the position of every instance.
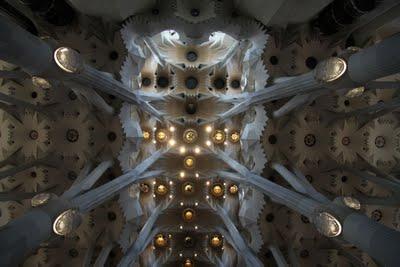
(332, 220)
(333, 73)
(37, 225)
(246, 253)
(145, 235)
(27, 232)
(38, 58)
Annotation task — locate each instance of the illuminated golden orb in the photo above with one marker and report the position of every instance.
(218, 137)
(190, 136)
(160, 241)
(217, 190)
(233, 189)
(189, 162)
(188, 215)
(234, 137)
(146, 135)
(188, 263)
(161, 135)
(161, 190)
(215, 241)
(188, 188)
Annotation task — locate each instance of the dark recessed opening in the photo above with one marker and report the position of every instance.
(191, 82)
(311, 62)
(191, 108)
(304, 253)
(146, 81)
(113, 55)
(269, 217)
(162, 81)
(72, 95)
(73, 253)
(111, 136)
(272, 139)
(194, 12)
(111, 216)
(34, 95)
(72, 135)
(219, 83)
(235, 84)
(191, 56)
(274, 60)
(304, 219)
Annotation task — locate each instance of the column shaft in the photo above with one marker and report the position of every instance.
(27, 232)
(21, 48)
(377, 240)
(380, 60)
(250, 258)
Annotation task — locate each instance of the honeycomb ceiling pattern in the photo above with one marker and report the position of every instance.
(190, 206)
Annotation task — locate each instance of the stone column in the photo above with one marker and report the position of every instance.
(246, 253)
(375, 62)
(355, 228)
(144, 237)
(85, 184)
(380, 60)
(21, 48)
(278, 256)
(38, 58)
(23, 235)
(377, 240)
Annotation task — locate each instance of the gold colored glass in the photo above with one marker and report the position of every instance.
(161, 190)
(160, 241)
(190, 136)
(233, 189)
(161, 136)
(216, 241)
(218, 137)
(189, 162)
(234, 137)
(188, 215)
(217, 190)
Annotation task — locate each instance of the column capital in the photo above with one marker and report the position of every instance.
(330, 70)
(68, 60)
(67, 222)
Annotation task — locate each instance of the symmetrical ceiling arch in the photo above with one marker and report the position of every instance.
(189, 133)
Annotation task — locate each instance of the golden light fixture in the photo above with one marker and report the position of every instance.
(188, 215)
(233, 189)
(190, 136)
(160, 241)
(145, 188)
(234, 137)
(188, 263)
(218, 137)
(161, 135)
(161, 190)
(217, 190)
(189, 162)
(146, 135)
(216, 241)
(188, 188)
